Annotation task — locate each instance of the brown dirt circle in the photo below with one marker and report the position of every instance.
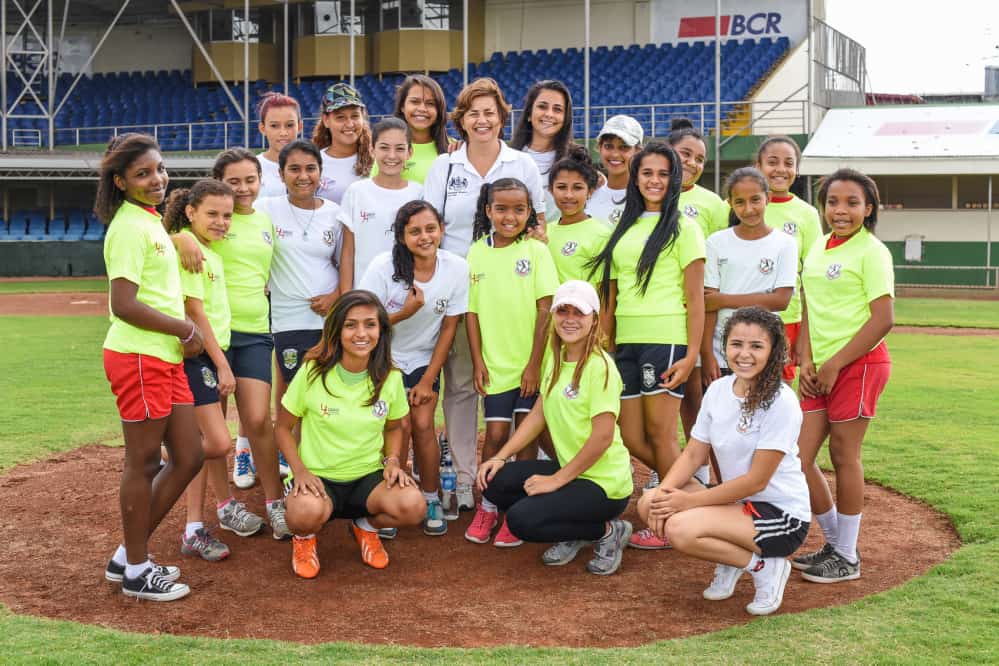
(55, 304)
(440, 591)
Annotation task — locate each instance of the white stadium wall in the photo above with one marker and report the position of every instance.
(131, 48)
(937, 225)
(515, 25)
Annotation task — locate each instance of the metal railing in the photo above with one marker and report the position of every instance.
(758, 117)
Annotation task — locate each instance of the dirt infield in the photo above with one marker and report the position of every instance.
(57, 304)
(442, 591)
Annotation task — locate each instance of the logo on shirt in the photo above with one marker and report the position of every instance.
(648, 375)
(393, 305)
(476, 278)
(833, 271)
(615, 215)
(457, 185)
(569, 248)
(266, 235)
(744, 424)
(289, 357)
(690, 211)
(766, 266)
(523, 267)
(208, 377)
(790, 228)
(211, 276)
(440, 306)
(379, 409)
(326, 411)
(282, 233)
(326, 184)
(570, 392)
(160, 248)
(328, 237)
(229, 235)
(367, 216)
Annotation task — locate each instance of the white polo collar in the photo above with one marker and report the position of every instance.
(506, 154)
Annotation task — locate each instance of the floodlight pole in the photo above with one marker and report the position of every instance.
(51, 67)
(197, 43)
(464, 42)
(586, 73)
(718, 96)
(988, 239)
(284, 41)
(246, 73)
(350, 26)
(3, 84)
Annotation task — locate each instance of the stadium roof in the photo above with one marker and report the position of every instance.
(907, 140)
(83, 166)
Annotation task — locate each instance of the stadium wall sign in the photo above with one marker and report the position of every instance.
(694, 20)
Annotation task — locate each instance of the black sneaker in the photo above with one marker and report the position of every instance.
(833, 569)
(153, 587)
(809, 560)
(116, 572)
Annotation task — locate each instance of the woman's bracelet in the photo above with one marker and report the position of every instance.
(502, 460)
(385, 461)
(190, 336)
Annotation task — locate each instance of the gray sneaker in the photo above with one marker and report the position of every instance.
(275, 514)
(723, 585)
(653, 481)
(235, 517)
(204, 545)
(809, 560)
(607, 551)
(563, 552)
(833, 569)
(466, 501)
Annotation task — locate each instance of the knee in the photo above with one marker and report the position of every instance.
(842, 456)
(524, 522)
(187, 461)
(306, 514)
(411, 507)
(681, 531)
(256, 426)
(216, 446)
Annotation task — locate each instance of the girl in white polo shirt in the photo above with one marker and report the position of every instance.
(343, 135)
(452, 186)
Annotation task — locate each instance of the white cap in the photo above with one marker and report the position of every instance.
(625, 128)
(581, 295)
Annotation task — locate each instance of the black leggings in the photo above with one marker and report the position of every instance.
(579, 510)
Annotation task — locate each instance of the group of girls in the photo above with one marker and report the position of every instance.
(585, 308)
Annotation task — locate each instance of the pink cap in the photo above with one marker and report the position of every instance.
(579, 294)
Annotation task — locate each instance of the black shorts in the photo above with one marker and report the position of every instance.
(778, 534)
(350, 498)
(249, 355)
(409, 381)
(642, 367)
(203, 378)
(290, 347)
(502, 406)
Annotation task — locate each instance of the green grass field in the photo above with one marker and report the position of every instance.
(946, 312)
(51, 286)
(934, 440)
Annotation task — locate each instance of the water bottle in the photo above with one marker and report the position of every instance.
(449, 480)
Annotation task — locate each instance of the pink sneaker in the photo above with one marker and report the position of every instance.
(482, 525)
(505, 538)
(646, 540)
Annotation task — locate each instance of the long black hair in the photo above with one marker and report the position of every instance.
(667, 227)
(524, 132)
(329, 350)
(122, 150)
(402, 258)
(439, 129)
(483, 225)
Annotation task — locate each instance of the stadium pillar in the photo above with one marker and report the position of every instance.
(988, 239)
(284, 41)
(246, 73)
(464, 41)
(586, 73)
(718, 134)
(51, 67)
(352, 56)
(3, 85)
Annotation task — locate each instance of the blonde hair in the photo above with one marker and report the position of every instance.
(478, 88)
(595, 343)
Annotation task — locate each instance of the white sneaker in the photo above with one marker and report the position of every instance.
(723, 585)
(466, 501)
(284, 469)
(244, 473)
(769, 582)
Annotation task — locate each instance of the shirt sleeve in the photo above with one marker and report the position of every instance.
(712, 276)
(720, 212)
(702, 426)
(811, 231)
(690, 243)
(787, 264)
(345, 215)
(192, 285)
(598, 368)
(879, 273)
(434, 187)
(294, 398)
(395, 396)
(458, 303)
(546, 280)
(127, 248)
(781, 424)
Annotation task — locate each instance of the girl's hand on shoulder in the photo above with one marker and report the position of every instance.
(541, 484)
(454, 146)
(307, 483)
(530, 380)
(826, 377)
(710, 371)
(394, 475)
(191, 256)
(487, 470)
(227, 381)
(539, 233)
(808, 380)
(481, 378)
(677, 373)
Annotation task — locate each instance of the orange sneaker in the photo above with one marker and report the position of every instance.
(304, 559)
(372, 552)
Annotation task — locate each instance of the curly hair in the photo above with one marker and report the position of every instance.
(766, 385)
(482, 225)
(323, 139)
(577, 160)
(121, 152)
(175, 216)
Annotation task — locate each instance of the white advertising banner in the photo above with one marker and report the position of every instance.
(694, 20)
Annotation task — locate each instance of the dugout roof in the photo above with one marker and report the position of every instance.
(906, 140)
(83, 166)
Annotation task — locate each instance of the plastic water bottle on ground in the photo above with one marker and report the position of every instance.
(449, 480)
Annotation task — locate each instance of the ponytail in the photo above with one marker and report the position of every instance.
(482, 225)
(175, 217)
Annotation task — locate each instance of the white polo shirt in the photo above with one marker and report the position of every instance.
(369, 212)
(338, 174)
(461, 190)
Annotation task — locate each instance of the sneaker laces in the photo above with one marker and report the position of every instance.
(156, 582)
(242, 463)
(479, 521)
(605, 546)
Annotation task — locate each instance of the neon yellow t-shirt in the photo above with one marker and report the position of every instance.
(138, 249)
(208, 286)
(417, 166)
(660, 315)
(706, 208)
(342, 438)
(569, 415)
(572, 246)
(839, 286)
(506, 284)
(801, 221)
(246, 253)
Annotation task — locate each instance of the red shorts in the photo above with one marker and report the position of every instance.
(791, 331)
(146, 387)
(857, 389)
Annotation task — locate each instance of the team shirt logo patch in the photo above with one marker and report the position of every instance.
(326, 411)
(569, 248)
(283, 233)
(648, 375)
(833, 271)
(570, 392)
(457, 185)
(690, 211)
(523, 267)
(328, 237)
(379, 409)
(208, 377)
(160, 248)
(476, 278)
(211, 276)
(289, 357)
(440, 306)
(766, 266)
(744, 424)
(615, 215)
(367, 216)
(267, 237)
(790, 228)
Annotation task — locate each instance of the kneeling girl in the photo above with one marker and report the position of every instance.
(350, 402)
(578, 499)
(759, 513)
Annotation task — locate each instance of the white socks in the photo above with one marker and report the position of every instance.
(829, 522)
(489, 506)
(754, 562)
(849, 531)
(365, 525)
(119, 556)
(191, 528)
(242, 444)
(135, 570)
